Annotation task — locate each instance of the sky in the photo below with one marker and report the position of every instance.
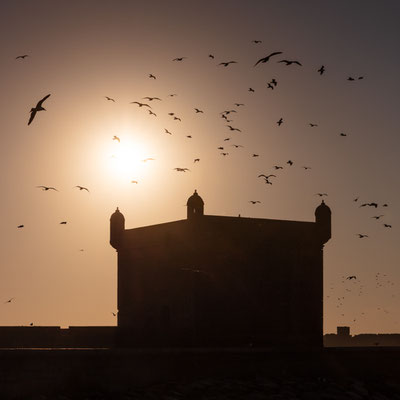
(82, 51)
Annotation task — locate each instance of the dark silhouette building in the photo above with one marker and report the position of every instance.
(221, 281)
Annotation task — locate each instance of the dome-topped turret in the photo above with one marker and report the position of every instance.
(117, 227)
(323, 221)
(195, 206)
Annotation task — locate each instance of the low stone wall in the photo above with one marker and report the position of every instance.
(24, 373)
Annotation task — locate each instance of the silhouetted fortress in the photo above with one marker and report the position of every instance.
(221, 281)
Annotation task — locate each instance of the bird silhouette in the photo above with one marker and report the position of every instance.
(321, 70)
(198, 111)
(278, 167)
(224, 154)
(233, 129)
(226, 139)
(266, 176)
(269, 86)
(378, 216)
(20, 226)
(321, 194)
(151, 76)
(113, 313)
(369, 205)
(350, 78)
(117, 139)
(239, 104)
(82, 188)
(343, 134)
(46, 188)
(256, 41)
(225, 64)
(211, 56)
(151, 98)
(172, 95)
(306, 168)
(387, 225)
(38, 107)
(22, 57)
(179, 58)
(220, 148)
(196, 160)
(140, 104)
(109, 98)
(254, 201)
(290, 162)
(63, 223)
(356, 199)
(167, 131)
(289, 62)
(152, 113)
(181, 169)
(251, 90)
(312, 125)
(361, 236)
(237, 145)
(351, 277)
(177, 118)
(255, 155)
(135, 182)
(266, 58)
(10, 300)
(274, 82)
(280, 122)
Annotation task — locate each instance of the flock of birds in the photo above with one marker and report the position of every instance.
(227, 117)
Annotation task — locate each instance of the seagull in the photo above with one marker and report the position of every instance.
(189, 136)
(152, 113)
(225, 64)
(198, 111)
(114, 314)
(171, 113)
(306, 168)
(378, 216)
(233, 129)
(179, 59)
(237, 145)
(280, 122)
(277, 167)
(254, 201)
(256, 41)
(356, 199)
(321, 70)
(255, 155)
(387, 225)
(172, 95)
(117, 139)
(109, 98)
(274, 82)
(239, 104)
(350, 78)
(385, 205)
(63, 223)
(181, 169)
(288, 62)
(177, 118)
(211, 56)
(196, 160)
(290, 162)
(343, 134)
(9, 301)
(82, 188)
(351, 277)
(140, 104)
(22, 57)
(266, 176)
(151, 76)
(370, 205)
(37, 108)
(251, 90)
(269, 86)
(135, 182)
(151, 98)
(167, 131)
(226, 139)
(361, 235)
(45, 188)
(220, 148)
(266, 58)
(20, 226)
(224, 154)
(321, 194)
(312, 125)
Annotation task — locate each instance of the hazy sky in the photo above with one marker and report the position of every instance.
(82, 51)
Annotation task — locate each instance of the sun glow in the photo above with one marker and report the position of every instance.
(127, 159)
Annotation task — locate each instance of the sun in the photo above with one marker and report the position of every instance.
(125, 159)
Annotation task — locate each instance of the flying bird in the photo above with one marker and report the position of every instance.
(196, 160)
(343, 134)
(109, 98)
(177, 118)
(63, 223)
(181, 169)
(306, 168)
(239, 104)
(220, 148)
(255, 155)
(189, 136)
(237, 145)
(274, 82)
(254, 201)
(198, 111)
(289, 62)
(266, 58)
(38, 107)
(280, 122)
(321, 70)
(135, 182)
(167, 131)
(351, 277)
(251, 90)
(387, 225)
(256, 41)
(312, 125)
(225, 64)
(269, 86)
(152, 113)
(22, 57)
(321, 194)
(82, 188)
(211, 56)
(20, 226)
(224, 154)
(360, 235)
(117, 139)
(266, 176)
(378, 216)
(290, 162)
(45, 188)
(179, 59)
(277, 167)
(9, 301)
(151, 76)
(172, 95)
(233, 129)
(140, 104)
(151, 98)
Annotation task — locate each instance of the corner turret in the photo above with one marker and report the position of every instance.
(195, 206)
(117, 227)
(323, 221)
